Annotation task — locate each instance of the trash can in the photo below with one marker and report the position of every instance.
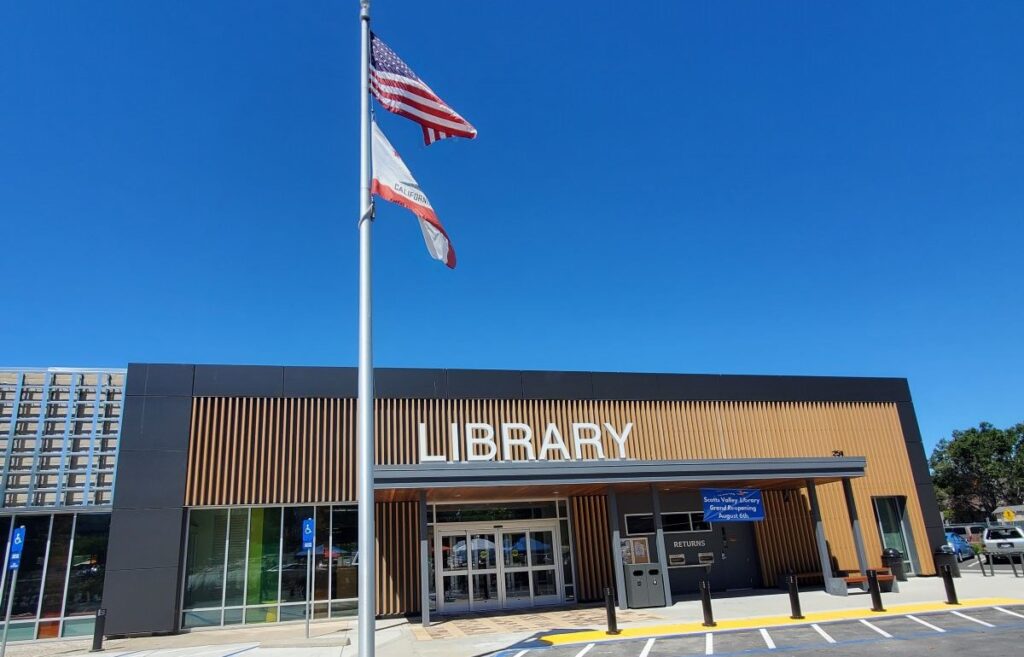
(655, 587)
(893, 560)
(637, 596)
(946, 556)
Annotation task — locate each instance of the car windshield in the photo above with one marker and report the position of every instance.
(1004, 534)
(959, 530)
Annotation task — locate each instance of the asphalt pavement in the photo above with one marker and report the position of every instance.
(996, 631)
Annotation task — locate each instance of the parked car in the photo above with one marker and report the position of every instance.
(971, 533)
(1003, 542)
(961, 548)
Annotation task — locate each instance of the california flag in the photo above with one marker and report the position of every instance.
(393, 182)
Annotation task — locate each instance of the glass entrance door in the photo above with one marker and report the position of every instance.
(454, 571)
(890, 514)
(484, 571)
(497, 567)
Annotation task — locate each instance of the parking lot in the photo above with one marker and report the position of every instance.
(981, 631)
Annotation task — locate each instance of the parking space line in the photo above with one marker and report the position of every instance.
(585, 650)
(925, 623)
(1007, 611)
(876, 628)
(973, 620)
(767, 639)
(647, 647)
(521, 653)
(823, 633)
(709, 644)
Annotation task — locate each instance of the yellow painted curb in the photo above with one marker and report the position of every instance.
(591, 636)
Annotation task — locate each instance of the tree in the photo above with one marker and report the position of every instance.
(978, 470)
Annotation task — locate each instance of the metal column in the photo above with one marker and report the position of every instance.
(831, 584)
(613, 523)
(659, 537)
(424, 563)
(858, 539)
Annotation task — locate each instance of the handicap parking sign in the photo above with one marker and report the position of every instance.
(307, 533)
(17, 545)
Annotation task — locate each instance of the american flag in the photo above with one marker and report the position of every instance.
(398, 89)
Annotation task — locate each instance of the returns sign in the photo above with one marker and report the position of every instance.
(732, 504)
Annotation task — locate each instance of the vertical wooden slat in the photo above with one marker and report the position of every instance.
(267, 451)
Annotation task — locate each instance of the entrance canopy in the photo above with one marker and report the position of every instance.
(481, 479)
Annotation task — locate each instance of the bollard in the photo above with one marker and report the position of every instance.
(1013, 564)
(876, 592)
(705, 601)
(609, 604)
(947, 580)
(982, 562)
(97, 630)
(794, 598)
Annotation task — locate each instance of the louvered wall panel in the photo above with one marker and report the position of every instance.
(269, 451)
(398, 565)
(593, 546)
(785, 539)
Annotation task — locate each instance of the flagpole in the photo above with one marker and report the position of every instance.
(367, 543)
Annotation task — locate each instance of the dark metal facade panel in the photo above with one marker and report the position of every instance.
(485, 384)
(401, 383)
(141, 583)
(488, 473)
(922, 476)
(150, 479)
(154, 424)
(141, 601)
(159, 379)
(148, 538)
(395, 383)
(558, 385)
(238, 381)
(319, 382)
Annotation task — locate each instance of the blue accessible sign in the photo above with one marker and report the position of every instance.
(732, 504)
(307, 533)
(17, 545)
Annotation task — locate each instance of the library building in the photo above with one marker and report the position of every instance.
(173, 496)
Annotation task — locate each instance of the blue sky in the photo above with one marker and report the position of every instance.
(734, 187)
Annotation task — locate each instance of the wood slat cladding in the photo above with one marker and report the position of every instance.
(271, 451)
(592, 539)
(398, 565)
(785, 539)
(268, 451)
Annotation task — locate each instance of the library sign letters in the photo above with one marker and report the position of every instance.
(580, 441)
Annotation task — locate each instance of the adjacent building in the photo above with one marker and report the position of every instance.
(60, 431)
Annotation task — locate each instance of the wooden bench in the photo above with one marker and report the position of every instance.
(885, 580)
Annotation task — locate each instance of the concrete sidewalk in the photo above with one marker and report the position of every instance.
(746, 605)
(401, 638)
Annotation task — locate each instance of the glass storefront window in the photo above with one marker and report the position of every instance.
(204, 575)
(293, 557)
(247, 565)
(344, 533)
(322, 555)
(30, 575)
(503, 511)
(264, 556)
(56, 568)
(234, 583)
(51, 585)
(88, 564)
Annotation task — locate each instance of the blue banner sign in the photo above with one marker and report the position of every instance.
(732, 504)
(17, 545)
(307, 533)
